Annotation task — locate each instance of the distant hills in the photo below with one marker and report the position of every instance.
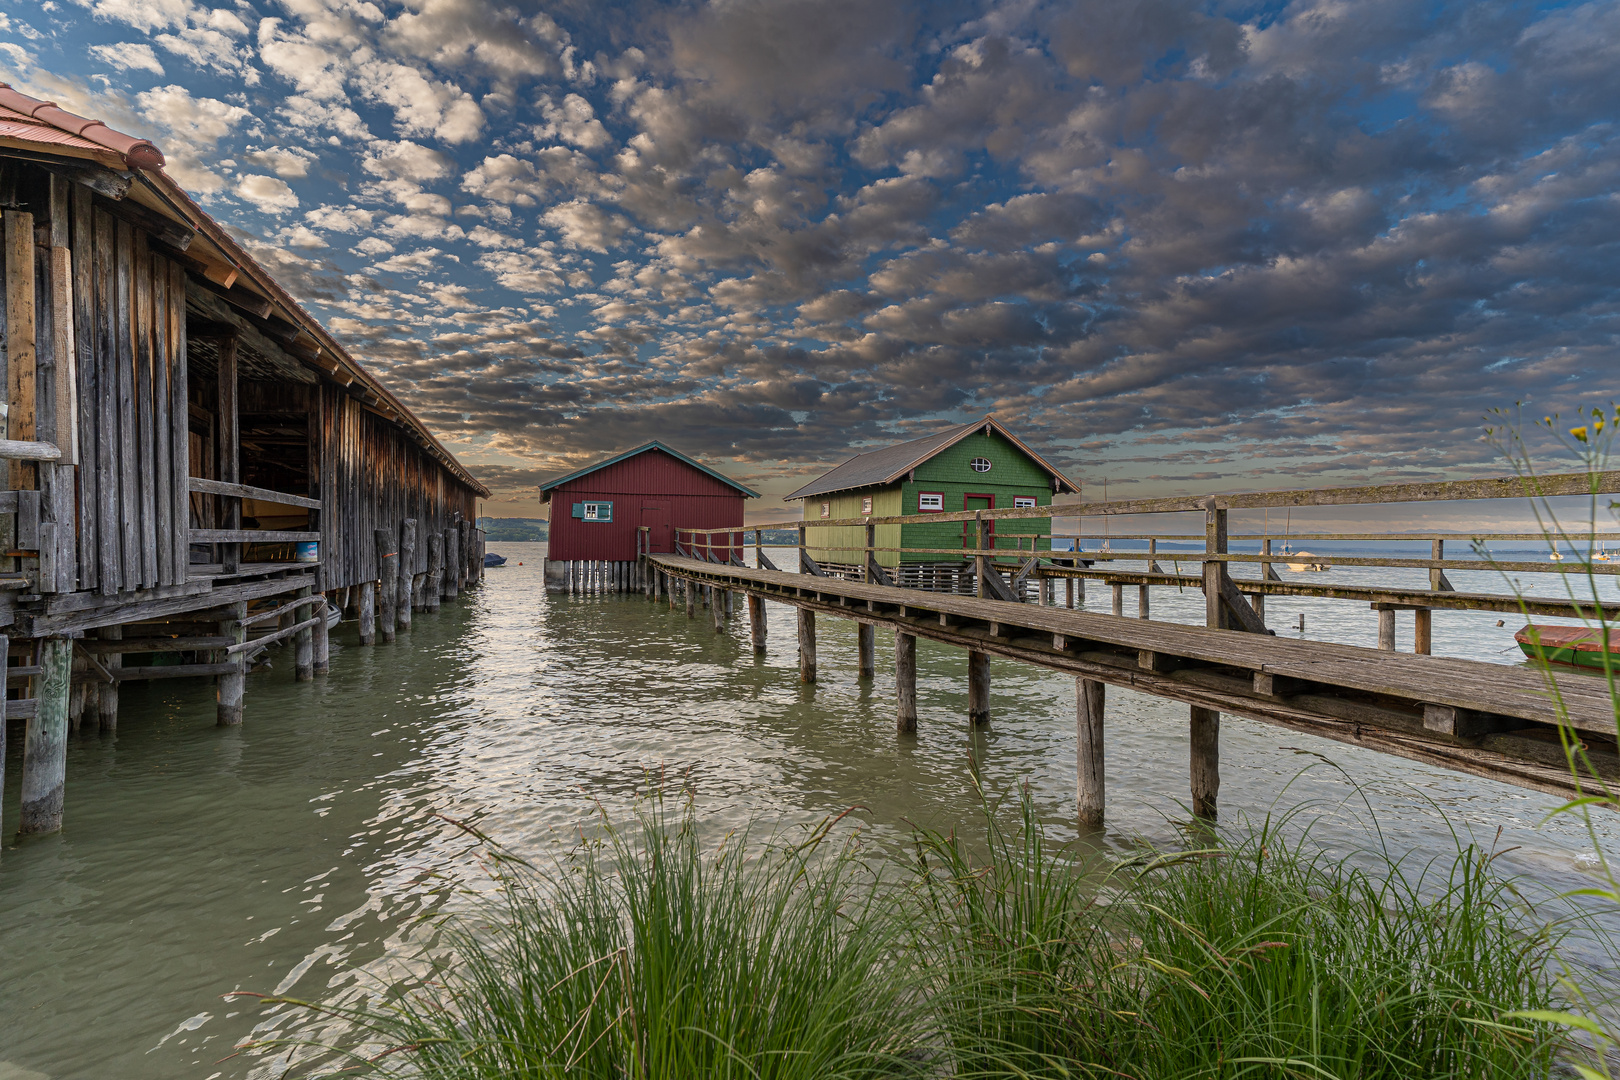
(513, 530)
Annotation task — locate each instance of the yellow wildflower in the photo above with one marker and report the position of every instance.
(1579, 433)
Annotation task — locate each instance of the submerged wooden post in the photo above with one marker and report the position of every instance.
(1119, 597)
(388, 591)
(433, 587)
(321, 640)
(1386, 629)
(407, 571)
(45, 739)
(905, 681)
(368, 613)
(807, 645)
(1422, 630)
(233, 686)
(1205, 761)
(78, 691)
(452, 562)
(978, 689)
(1142, 601)
(304, 640)
(756, 622)
(1090, 698)
(1068, 592)
(690, 589)
(107, 692)
(866, 648)
(718, 609)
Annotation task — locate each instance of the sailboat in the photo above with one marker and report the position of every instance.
(1297, 559)
(1602, 555)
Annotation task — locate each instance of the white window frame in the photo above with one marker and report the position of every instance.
(866, 504)
(974, 465)
(826, 509)
(923, 496)
(1020, 501)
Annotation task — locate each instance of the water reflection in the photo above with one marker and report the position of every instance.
(278, 856)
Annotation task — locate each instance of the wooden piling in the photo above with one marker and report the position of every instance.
(233, 686)
(1068, 592)
(388, 590)
(807, 645)
(1119, 598)
(978, 689)
(1215, 574)
(368, 613)
(304, 640)
(718, 609)
(1142, 601)
(905, 681)
(756, 622)
(107, 692)
(45, 740)
(1205, 762)
(1422, 630)
(407, 571)
(433, 587)
(866, 648)
(1386, 629)
(1090, 699)
(691, 598)
(78, 691)
(452, 564)
(321, 660)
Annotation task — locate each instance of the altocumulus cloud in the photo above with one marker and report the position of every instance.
(1184, 245)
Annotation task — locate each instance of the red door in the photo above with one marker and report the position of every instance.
(978, 502)
(655, 519)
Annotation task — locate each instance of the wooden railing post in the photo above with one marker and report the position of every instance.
(981, 533)
(804, 550)
(871, 553)
(1215, 574)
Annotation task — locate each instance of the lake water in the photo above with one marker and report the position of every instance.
(288, 854)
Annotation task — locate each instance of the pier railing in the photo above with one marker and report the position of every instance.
(231, 540)
(1016, 566)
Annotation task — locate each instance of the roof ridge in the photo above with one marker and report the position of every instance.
(137, 153)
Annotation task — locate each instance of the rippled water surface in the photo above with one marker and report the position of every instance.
(279, 856)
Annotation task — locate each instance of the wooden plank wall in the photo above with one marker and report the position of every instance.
(130, 326)
(373, 477)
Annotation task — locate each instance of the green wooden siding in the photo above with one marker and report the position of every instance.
(847, 543)
(1012, 474)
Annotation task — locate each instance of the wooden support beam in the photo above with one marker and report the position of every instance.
(368, 613)
(1205, 761)
(388, 589)
(978, 688)
(407, 572)
(237, 537)
(717, 607)
(1119, 598)
(232, 682)
(433, 587)
(21, 340)
(228, 448)
(1090, 698)
(304, 638)
(107, 695)
(322, 642)
(1422, 630)
(807, 644)
(44, 774)
(1386, 629)
(866, 649)
(452, 563)
(756, 619)
(245, 491)
(225, 670)
(905, 681)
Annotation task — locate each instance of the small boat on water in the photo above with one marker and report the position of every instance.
(492, 559)
(1302, 561)
(1571, 646)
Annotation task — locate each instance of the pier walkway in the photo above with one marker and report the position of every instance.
(1486, 719)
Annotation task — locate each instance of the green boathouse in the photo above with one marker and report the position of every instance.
(979, 466)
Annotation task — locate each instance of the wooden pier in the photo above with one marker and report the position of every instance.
(196, 471)
(1490, 720)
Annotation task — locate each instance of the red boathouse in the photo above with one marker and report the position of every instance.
(597, 511)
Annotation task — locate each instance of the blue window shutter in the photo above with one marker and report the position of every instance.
(604, 511)
(579, 510)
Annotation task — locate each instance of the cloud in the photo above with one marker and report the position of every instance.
(128, 56)
(406, 160)
(584, 224)
(573, 121)
(268, 193)
(289, 163)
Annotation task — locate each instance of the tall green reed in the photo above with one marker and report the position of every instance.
(1252, 956)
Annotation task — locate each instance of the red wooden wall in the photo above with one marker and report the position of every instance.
(651, 488)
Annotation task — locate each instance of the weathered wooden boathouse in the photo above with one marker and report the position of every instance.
(608, 514)
(195, 469)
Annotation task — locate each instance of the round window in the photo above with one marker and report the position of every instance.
(980, 464)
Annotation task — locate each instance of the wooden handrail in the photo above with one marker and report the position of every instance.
(15, 450)
(243, 491)
(251, 536)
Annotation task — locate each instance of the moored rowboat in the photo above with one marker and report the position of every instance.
(1574, 646)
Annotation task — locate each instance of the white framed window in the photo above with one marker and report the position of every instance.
(826, 509)
(930, 502)
(1023, 500)
(980, 464)
(866, 504)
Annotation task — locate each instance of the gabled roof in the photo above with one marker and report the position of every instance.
(40, 130)
(885, 466)
(546, 487)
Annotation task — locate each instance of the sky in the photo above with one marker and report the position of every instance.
(1180, 247)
